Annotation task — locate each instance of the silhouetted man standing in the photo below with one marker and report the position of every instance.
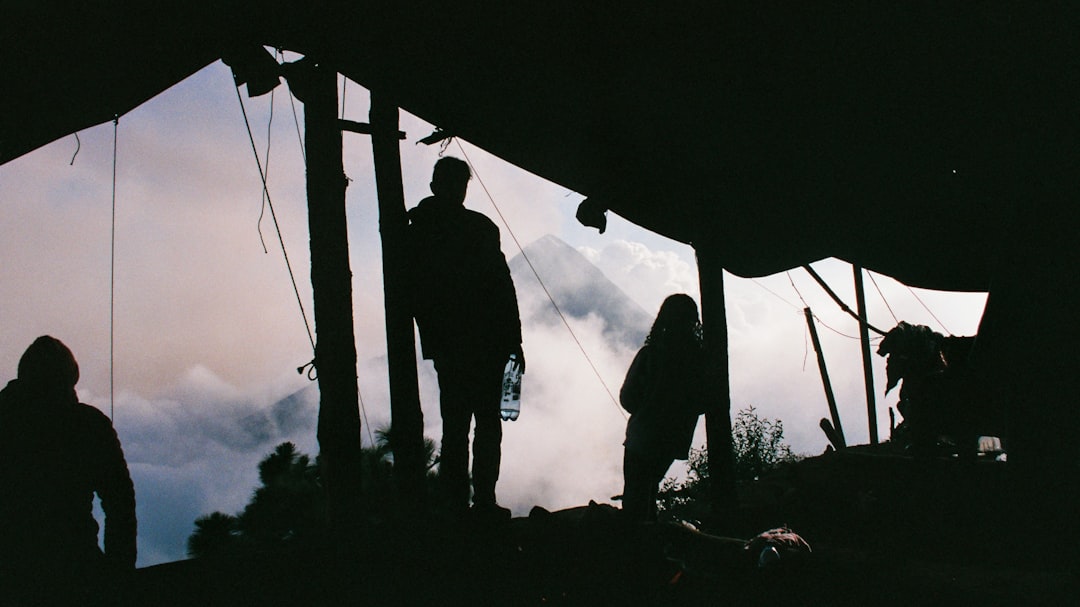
(466, 308)
(55, 454)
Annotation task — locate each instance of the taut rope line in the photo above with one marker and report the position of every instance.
(112, 274)
(542, 285)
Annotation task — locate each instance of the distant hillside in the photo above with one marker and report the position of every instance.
(579, 288)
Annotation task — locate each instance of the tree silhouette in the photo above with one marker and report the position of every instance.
(289, 505)
(216, 534)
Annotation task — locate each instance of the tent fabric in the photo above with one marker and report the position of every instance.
(901, 137)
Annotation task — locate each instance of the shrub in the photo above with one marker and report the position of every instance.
(758, 447)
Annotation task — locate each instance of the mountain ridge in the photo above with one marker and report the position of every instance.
(578, 288)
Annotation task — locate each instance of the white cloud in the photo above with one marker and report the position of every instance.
(647, 276)
(566, 448)
(195, 449)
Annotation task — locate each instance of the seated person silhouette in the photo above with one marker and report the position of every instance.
(664, 392)
(55, 454)
(465, 306)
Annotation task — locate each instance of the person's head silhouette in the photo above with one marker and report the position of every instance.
(676, 321)
(48, 363)
(450, 179)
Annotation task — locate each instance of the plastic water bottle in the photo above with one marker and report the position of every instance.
(511, 390)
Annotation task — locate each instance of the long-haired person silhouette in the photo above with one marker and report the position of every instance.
(664, 392)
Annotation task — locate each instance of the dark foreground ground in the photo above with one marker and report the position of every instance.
(885, 530)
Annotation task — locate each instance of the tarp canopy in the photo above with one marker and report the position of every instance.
(902, 136)
(932, 141)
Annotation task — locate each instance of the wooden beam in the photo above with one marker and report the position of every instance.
(830, 433)
(364, 128)
(407, 430)
(331, 282)
(718, 418)
(864, 339)
(837, 428)
(843, 306)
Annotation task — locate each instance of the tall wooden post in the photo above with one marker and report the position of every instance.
(331, 282)
(718, 418)
(864, 338)
(407, 430)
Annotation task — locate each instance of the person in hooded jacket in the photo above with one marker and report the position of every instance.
(55, 454)
(465, 306)
(665, 393)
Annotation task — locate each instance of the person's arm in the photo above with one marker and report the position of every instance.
(632, 395)
(117, 494)
(504, 294)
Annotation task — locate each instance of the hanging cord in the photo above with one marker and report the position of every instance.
(363, 410)
(78, 146)
(277, 226)
(806, 343)
(840, 302)
(296, 119)
(344, 89)
(806, 329)
(912, 291)
(882, 295)
(112, 275)
(542, 285)
(262, 207)
(816, 317)
(913, 294)
(309, 367)
(777, 295)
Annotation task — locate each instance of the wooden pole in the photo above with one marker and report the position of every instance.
(843, 306)
(864, 338)
(830, 433)
(837, 428)
(718, 418)
(407, 431)
(331, 282)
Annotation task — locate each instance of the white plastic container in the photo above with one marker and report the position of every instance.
(511, 390)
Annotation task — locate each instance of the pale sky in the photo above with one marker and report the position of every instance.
(208, 333)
